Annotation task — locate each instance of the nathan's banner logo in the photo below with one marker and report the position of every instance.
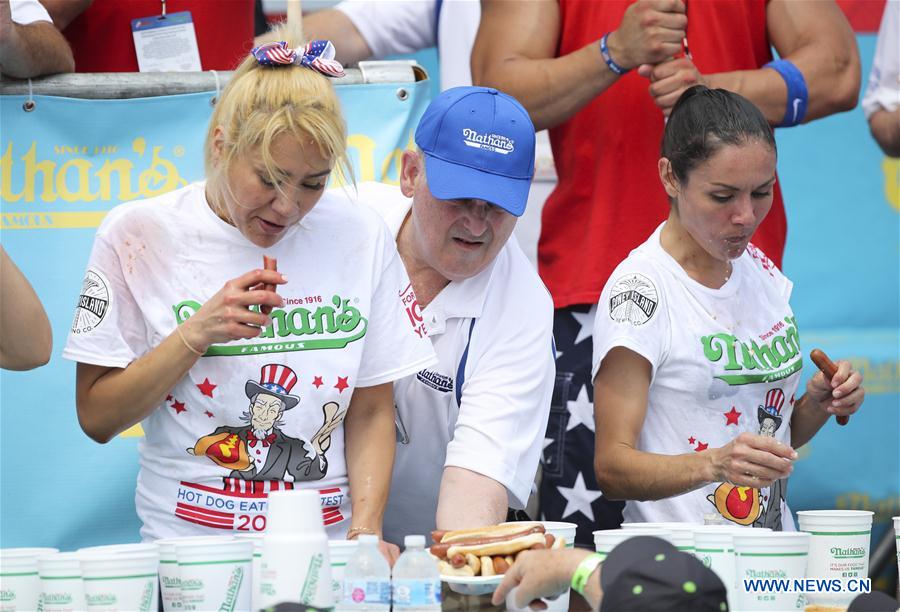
(634, 300)
(752, 362)
(93, 303)
(45, 188)
(489, 142)
(338, 325)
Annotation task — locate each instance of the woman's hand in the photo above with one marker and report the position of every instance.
(226, 316)
(842, 395)
(391, 552)
(752, 461)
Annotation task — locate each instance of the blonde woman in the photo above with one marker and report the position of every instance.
(171, 329)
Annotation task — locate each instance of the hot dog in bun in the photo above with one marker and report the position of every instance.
(487, 551)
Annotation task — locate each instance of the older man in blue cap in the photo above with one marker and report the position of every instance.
(470, 429)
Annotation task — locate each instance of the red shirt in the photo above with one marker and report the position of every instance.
(609, 198)
(101, 36)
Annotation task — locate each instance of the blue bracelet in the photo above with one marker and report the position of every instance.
(797, 94)
(604, 51)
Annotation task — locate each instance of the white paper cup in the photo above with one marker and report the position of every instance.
(714, 546)
(681, 535)
(296, 566)
(607, 539)
(256, 567)
(768, 556)
(20, 585)
(340, 552)
(62, 589)
(169, 578)
(117, 580)
(838, 550)
(215, 575)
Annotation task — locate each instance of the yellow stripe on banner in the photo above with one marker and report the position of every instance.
(135, 431)
(51, 220)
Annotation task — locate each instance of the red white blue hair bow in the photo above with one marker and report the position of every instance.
(318, 55)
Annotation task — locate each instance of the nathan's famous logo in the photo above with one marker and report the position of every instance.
(340, 324)
(498, 143)
(231, 592)
(766, 356)
(82, 174)
(767, 573)
(311, 584)
(848, 553)
(93, 302)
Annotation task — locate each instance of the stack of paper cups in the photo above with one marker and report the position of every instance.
(169, 578)
(214, 574)
(296, 566)
(340, 552)
(256, 570)
(19, 580)
(838, 550)
(607, 539)
(120, 579)
(769, 556)
(681, 535)
(62, 589)
(119, 548)
(714, 546)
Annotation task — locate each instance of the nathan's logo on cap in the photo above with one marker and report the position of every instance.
(491, 142)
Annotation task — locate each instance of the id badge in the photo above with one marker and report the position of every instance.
(166, 43)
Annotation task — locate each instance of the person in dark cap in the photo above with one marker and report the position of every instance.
(642, 574)
(876, 601)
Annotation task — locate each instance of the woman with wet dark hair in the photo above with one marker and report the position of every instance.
(696, 349)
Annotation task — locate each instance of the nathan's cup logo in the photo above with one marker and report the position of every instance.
(634, 300)
(93, 303)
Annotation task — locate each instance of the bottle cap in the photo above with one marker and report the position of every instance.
(414, 540)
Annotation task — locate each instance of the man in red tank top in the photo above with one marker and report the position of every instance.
(603, 76)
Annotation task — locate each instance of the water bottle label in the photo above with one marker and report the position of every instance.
(367, 592)
(417, 593)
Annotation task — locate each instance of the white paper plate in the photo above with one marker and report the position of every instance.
(472, 585)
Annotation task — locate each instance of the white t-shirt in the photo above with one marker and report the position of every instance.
(484, 406)
(724, 361)
(216, 446)
(883, 91)
(406, 26)
(24, 12)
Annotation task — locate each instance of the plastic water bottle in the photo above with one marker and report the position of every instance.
(417, 581)
(367, 578)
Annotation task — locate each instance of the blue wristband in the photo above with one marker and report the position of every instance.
(797, 94)
(604, 51)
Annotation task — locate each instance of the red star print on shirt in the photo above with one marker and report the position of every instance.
(691, 440)
(731, 417)
(209, 414)
(701, 446)
(168, 398)
(317, 381)
(179, 407)
(206, 387)
(341, 383)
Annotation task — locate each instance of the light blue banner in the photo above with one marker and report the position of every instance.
(62, 167)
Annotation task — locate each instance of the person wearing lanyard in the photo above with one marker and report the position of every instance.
(469, 429)
(697, 353)
(248, 380)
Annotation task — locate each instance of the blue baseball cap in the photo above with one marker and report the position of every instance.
(478, 143)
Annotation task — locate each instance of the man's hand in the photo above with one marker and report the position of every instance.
(334, 416)
(650, 32)
(669, 79)
(537, 574)
(752, 461)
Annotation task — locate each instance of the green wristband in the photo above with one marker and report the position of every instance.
(584, 571)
